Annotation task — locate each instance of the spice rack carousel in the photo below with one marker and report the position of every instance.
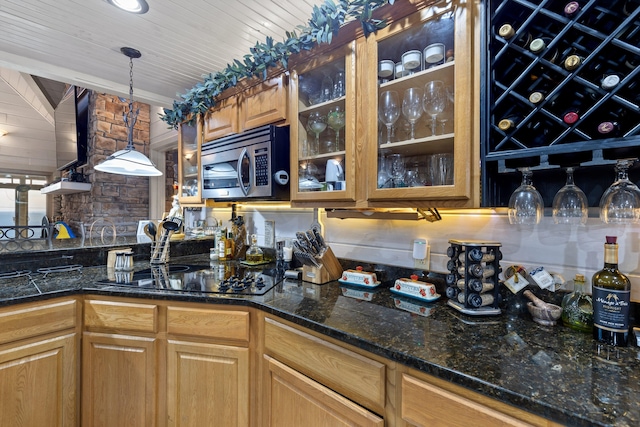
(473, 286)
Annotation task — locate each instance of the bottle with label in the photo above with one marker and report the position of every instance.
(577, 307)
(221, 243)
(229, 246)
(611, 299)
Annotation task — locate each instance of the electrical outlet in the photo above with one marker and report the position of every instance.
(423, 264)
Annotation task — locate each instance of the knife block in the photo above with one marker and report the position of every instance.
(329, 271)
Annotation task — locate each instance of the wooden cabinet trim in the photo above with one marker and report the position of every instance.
(342, 408)
(223, 324)
(120, 316)
(351, 374)
(37, 319)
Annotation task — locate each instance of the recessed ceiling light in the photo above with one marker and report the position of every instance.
(133, 6)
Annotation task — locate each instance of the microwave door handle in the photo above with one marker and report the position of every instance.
(244, 153)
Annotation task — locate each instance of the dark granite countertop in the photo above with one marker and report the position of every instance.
(550, 371)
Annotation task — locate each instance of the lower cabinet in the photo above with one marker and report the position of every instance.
(165, 364)
(39, 364)
(119, 383)
(296, 400)
(429, 401)
(207, 385)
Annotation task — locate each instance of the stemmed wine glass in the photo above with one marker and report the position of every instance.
(412, 106)
(398, 169)
(525, 205)
(317, 123)
(449, 102)
(389, 110)
(570, 205)
(620, 203)
(336, 121)
(434, 101)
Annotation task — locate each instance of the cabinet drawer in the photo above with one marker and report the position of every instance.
(33, 320)
(232, 325)
(425, 404)
(346, 372)
(121, 316)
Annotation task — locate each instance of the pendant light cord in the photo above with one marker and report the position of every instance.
(130, 117)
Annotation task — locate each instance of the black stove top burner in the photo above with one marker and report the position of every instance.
(227, 278)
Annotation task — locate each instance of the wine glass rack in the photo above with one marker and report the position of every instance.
(553, 102)
(473, 286)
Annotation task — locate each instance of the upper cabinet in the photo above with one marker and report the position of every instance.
(396, 93)
(189, 166)
(262, 104)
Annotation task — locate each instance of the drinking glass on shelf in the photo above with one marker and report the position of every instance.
(384, 178)
(570, 205)
(389, 110)
(338, 85)
(525, 205)
(326, 88)
(336, 121)
(441, 169)
(398, 169)
(447, 109)
(412, 107)
(316, 124)
(434, 101)
(620, 203)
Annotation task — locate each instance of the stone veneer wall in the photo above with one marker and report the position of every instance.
(117, 197)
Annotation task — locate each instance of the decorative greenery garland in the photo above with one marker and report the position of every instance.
(324, 23)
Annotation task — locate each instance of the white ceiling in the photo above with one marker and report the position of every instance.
(79, 41)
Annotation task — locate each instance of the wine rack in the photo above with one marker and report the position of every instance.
(473, 286)
(575, 102)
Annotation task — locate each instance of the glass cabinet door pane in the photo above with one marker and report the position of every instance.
(189, 167)
(416, 98)
(322, 117)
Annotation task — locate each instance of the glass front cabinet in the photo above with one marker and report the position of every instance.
(398, 144)
(189, 168)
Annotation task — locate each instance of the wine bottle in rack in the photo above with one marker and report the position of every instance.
(572, 62)
(507, 31)
(611, 299)
(510, 122)
(571, 9)
(630, 6)
(572, 114)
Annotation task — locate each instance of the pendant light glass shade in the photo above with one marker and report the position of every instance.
(129, 161)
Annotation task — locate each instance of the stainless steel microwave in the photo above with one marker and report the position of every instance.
(249, 165)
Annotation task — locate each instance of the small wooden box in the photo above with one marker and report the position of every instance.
(330, 270)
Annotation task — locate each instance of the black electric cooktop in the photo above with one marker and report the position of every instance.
(230, 278)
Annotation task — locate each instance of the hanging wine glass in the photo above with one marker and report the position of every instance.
(336, 121)
(525, 205)
(434, 101)
(620, 203)
(412, 107)
(316, 123)
(389, 110)
(570, 205)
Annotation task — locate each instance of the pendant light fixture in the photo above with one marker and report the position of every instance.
(129, 161)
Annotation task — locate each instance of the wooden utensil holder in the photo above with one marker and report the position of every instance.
(329, 271)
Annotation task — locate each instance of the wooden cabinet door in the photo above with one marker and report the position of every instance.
(264, 104)
(189, 162)
(296, 400)
(222, 120)
(38, 383)
(425, 404)
(207, 385)
(119, 385)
